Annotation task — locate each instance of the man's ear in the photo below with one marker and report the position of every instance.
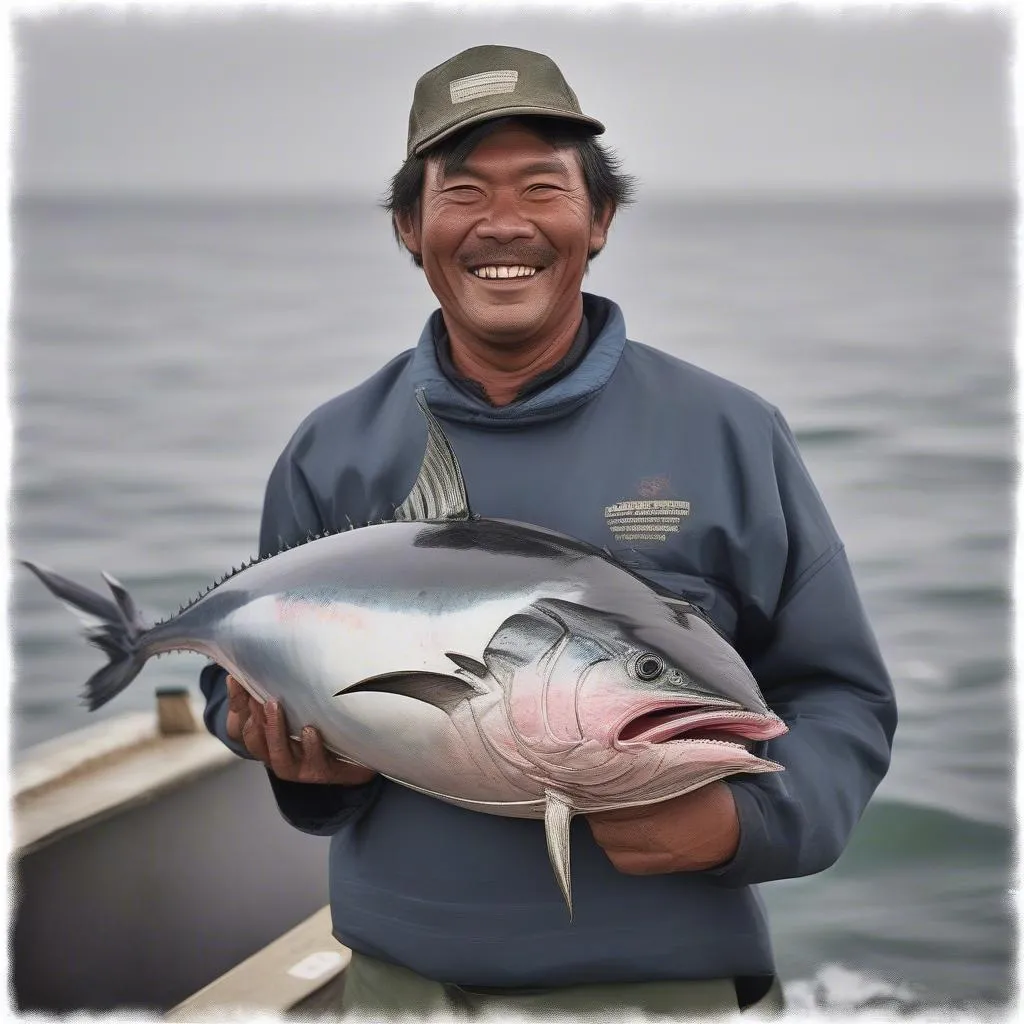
(408, 227)
(599, 229)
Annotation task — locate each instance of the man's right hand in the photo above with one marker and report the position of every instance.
(263, 731)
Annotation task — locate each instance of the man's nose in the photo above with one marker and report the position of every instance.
(504, 220)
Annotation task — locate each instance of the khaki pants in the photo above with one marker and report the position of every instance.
(381, 991)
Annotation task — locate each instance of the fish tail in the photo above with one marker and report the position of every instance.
(115, 627)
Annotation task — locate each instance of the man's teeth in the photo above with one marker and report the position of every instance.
(505, 271)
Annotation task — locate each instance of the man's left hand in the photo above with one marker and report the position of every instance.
(694, 832)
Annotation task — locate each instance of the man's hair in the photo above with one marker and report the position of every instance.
(606, 186)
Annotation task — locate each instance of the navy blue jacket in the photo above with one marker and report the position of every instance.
(470, 898)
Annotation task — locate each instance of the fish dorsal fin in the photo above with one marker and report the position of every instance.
(558, 814)
(439, 491)
(443, 691)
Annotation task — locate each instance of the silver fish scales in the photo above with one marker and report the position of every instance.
(495, 665)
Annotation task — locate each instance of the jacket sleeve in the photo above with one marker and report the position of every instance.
(821, 671)
(290, 515)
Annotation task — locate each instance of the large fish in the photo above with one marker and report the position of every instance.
(498, 666)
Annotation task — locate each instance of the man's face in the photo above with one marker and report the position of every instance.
(505, 239)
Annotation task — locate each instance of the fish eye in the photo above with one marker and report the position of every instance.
(648, 667)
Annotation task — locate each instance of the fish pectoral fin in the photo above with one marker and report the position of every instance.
(439, 491)
(443, 691)
(477, 668)
(558, 812)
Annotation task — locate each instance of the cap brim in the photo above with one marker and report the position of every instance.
(493, 114)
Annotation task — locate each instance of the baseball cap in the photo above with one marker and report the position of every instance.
(485, 82)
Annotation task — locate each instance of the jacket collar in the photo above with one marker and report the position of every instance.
(451, 402)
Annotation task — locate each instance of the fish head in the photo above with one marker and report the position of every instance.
(639, 697)
(583, 677)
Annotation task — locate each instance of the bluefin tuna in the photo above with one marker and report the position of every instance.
(495, 665)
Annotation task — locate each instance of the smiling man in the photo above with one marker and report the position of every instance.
(690, 481)
(504, 235)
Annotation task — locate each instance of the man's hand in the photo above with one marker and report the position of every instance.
(694, 832)
(263, 731)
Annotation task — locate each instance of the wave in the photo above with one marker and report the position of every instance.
(980, 595)
(838, 990)
(831, 435)
(893, 831)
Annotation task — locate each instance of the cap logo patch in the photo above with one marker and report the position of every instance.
(487, 83)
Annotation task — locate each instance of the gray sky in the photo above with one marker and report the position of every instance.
(747, 101)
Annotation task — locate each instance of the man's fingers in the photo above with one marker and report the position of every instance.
(238, 697)
(263, 729)
(254, 734)
(238, 710)
(315, 767)
(282, 756)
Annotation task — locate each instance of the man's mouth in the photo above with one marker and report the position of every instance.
(494, 272)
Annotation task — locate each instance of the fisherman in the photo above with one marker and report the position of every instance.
(690, 481)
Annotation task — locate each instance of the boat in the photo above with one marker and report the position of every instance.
(152, 871)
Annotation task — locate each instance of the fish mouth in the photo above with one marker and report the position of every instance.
(689, 724)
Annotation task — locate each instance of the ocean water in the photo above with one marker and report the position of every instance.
(165, 350)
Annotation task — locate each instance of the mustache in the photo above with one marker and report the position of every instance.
(514, 253)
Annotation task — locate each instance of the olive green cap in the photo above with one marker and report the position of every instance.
(485, 82)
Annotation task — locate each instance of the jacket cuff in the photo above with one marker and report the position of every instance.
(320, 809)
(753, 836)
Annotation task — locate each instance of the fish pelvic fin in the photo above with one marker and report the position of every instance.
(115, 627)
(439, 491)
(558, 814)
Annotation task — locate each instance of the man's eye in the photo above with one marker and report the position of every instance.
(544, 187)
(461, 193)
